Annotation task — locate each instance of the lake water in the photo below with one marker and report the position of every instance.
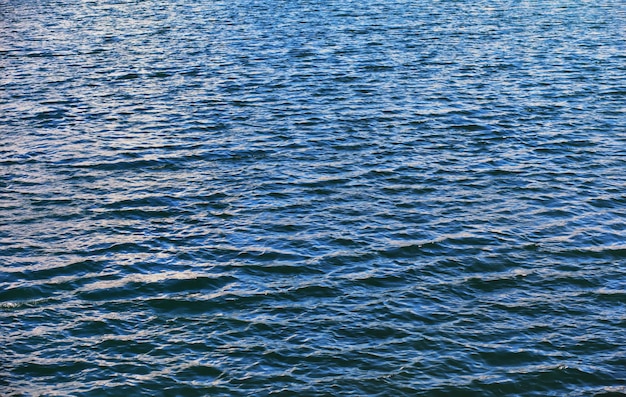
(312, 198)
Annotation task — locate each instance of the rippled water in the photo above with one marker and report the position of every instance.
(330, 197)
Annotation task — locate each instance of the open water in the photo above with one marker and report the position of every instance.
(312, 198)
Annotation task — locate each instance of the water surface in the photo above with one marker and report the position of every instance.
(333, 197)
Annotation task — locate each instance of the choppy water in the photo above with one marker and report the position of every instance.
(331, 197)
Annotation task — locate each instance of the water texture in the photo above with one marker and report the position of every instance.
(312, 198)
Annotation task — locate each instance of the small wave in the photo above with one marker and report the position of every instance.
(157, 283)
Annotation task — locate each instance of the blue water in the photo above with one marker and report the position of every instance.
(312, 198)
